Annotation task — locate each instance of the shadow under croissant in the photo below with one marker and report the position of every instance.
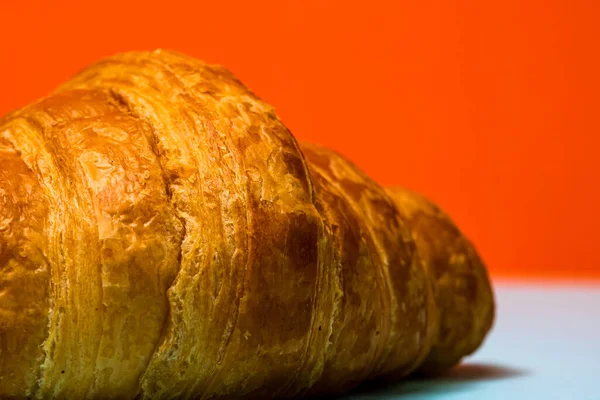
(458, 379)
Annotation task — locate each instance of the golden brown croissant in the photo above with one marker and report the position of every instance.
(163, 235)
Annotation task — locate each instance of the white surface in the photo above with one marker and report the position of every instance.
(545, 345)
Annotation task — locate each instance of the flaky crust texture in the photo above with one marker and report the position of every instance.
(163, 235)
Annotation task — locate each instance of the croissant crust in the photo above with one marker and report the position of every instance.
(163, 235)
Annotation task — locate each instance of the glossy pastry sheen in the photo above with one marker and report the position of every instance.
(163, 235)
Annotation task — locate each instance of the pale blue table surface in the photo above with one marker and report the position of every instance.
(545, 345)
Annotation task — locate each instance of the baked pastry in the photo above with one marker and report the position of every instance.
(163, 235)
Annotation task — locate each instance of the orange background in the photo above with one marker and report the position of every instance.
(490, 108)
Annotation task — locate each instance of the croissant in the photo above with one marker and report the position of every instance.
(163, 235)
